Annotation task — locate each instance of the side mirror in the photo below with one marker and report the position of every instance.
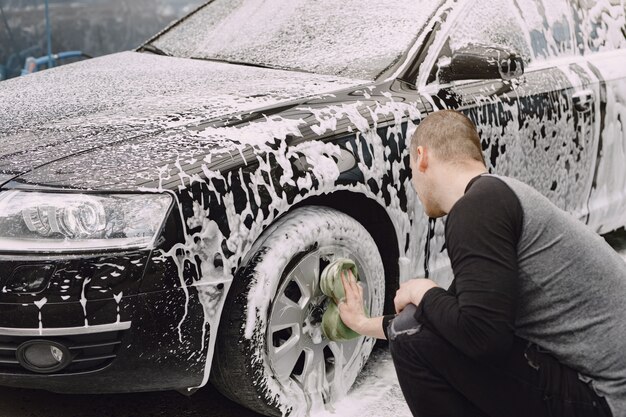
(480, 62)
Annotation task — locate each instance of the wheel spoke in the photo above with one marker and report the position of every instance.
(307, 274)
(314, 377)
(344, 352)
(314, 357)
(286, 357)
(337, 351)
(286, 313)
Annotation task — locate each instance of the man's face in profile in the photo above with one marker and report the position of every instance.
(422, 182)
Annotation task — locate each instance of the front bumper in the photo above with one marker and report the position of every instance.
(156, 345)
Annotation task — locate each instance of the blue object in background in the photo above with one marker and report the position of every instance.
(32, 64)
(97, 27)
(36, 64)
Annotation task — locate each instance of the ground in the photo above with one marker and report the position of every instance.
(376, 394)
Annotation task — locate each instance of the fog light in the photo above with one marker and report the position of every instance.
(43, 356)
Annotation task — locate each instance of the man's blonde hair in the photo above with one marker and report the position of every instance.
(450, 135)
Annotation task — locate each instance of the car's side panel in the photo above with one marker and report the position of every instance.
(535, 128)
(601, 40)
(608, 196)
(550, 127)
(532, 132)
(530, 127)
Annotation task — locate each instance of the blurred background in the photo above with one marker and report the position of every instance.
(94, 27)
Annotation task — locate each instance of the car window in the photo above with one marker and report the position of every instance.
(550, 26)
(353, 38)
(600, 25)
(492, 23)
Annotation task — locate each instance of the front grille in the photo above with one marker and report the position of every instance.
(90, 352)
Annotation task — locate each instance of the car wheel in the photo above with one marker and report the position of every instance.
(271, 355)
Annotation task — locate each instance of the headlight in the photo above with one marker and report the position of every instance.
(43, 222)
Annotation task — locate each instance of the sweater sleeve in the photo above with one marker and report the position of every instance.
(482, 232)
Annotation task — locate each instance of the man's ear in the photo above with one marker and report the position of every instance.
(422, 158)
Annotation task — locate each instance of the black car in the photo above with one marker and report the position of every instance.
(165, 213)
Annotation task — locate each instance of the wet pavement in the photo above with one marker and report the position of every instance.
(376, 394)
(207, 402)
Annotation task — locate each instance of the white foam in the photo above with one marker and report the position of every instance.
(325, 37)
(376, 392)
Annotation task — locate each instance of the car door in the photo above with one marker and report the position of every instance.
(532, 127)
(600, 31)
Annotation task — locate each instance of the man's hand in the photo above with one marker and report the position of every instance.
(352, 311)
(412, 292)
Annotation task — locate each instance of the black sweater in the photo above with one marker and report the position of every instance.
(476, 314)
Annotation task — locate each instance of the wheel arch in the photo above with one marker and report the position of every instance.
(371, 215)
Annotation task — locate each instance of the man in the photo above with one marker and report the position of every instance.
(534, 323)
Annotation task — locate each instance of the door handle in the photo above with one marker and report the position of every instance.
(583, 100)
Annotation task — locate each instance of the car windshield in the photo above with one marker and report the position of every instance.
(349, 38)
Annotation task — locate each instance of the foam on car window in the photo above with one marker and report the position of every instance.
(601, 25)
(348, 38)
(491, 23)
(549, 25)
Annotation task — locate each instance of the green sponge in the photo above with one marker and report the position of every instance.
(330, 283)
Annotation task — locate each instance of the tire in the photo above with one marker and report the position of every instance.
(270, 354)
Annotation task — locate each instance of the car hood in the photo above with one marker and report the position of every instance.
(124, 112)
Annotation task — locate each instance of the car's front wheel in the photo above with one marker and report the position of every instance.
(271, 355)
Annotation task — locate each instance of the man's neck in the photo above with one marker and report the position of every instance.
(454, 183)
